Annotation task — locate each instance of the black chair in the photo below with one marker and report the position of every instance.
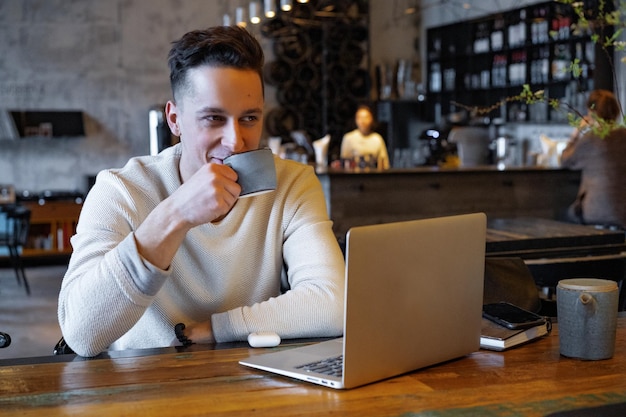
(14, 236)
(62, 348)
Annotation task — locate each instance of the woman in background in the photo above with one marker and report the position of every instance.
(364, 141)
(601, 197)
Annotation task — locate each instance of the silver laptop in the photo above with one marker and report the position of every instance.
(414, 295)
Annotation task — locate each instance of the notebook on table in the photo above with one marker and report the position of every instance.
(414, 295)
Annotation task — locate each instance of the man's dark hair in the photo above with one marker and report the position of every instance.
(219, 46)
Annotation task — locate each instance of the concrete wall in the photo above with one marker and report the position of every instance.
(394, 35)
(108, 59)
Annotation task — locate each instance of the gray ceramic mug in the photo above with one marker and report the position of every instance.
(587, 317)
(256, 171)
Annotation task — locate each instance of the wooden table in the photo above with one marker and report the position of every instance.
(531, 381)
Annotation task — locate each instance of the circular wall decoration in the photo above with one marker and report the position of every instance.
(320, 68)
(277, 72)
(281, 122)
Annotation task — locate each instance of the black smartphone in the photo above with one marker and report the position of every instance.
(511, 316)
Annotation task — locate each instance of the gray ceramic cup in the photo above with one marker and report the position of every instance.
(587, 317)
(256, 171)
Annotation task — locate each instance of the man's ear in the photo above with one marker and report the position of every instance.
(171, 115)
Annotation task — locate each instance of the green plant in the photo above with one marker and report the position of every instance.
(607, 24)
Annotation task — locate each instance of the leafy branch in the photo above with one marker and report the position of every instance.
(526, 96)
(606, 23)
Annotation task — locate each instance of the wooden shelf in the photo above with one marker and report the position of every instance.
(44, 252)
(22, 124)
(52, 225)
(483, 61)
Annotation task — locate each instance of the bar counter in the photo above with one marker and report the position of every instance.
(531, 380)
(364, 197)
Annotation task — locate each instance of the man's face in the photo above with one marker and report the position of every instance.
(221, 114)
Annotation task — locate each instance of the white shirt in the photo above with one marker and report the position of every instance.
(354, 144)
(272, 264)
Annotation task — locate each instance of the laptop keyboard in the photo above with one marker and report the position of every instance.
(328, 366)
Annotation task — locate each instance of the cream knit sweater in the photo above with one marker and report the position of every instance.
(272, 263)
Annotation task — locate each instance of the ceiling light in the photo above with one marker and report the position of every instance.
(268, 8)
(255, 17)
(240, 16)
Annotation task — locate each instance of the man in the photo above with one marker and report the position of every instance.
(165, 239)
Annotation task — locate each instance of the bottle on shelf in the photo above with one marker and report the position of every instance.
(545, 64)
(540, 26)
(535, 67)
(435, 77)
(497, 35)
(513, 69)
(449, 79)
(561, 62)
(485, 81)
(564, 28)
(498, 70)
(517, 68)
(540, 65)
(481, 39)
(585, 78)
(561, 23)
(517, 30)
